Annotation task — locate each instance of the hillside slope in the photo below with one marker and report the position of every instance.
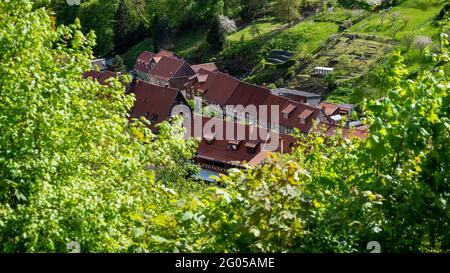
(356, 43)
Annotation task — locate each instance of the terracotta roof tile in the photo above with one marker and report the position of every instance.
(165, 53)
(306, 114)
(153, 100)
(218, 150)
(146, 56)
(207, 66)
(101, 77)
(167, 67)
(105, 76)
(289, 108)
(330, 129)
(92, 74)
(329, 108)
(220, 87)
(143, 62)
(248, 94)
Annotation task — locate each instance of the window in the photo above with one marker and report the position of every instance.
(147, 114)
(233, 145)
(153, 117)
(285, 115)
(252, 146)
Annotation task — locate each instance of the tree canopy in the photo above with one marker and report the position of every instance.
(73, 168)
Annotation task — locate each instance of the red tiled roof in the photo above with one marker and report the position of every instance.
(218, 149)
(105, 76)
(153, 100)
(305, 114)
(329, 108)
(220, 87)
(199, 80)
(330, 129)
(167, 67)
(92, 74)
(146, 56)
(345, 109)
(293, 120)
(248, 94)
(101, 77)
(202, 78)
(289, 108)
(165, 53)
(207, 66)
(143, 62)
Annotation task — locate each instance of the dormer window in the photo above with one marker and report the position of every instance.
(304, 115)
(153, 117)
(233, 145)
(288, 110)
(252, 146)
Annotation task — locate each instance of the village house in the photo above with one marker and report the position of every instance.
(222, 90)
(323, 71)
(144, 64)
(298, 96)
(218, 154)
(211, 67)
(101, 76)
(169, 76)
(336, 112)
(154, 102)
(101, 64)
(147, 61)
(167, 69)
(197, 84)
(172, 72)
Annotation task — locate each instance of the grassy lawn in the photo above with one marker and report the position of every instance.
(339, 15)
(265, 26)
(302, 39)
(421, 14)
(183, 44)
(186, 43)
(390, 24)
(129, 58)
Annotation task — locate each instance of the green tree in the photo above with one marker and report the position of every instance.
(335, 195)
(255, 30)
(160, 32)
(216, 35)
(99, 16)
(72, 166)
(118, 65)
(288, 10)
(128, 28)
(250, 9)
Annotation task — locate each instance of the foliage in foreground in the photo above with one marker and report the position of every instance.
(336, 195)
(72, 168)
